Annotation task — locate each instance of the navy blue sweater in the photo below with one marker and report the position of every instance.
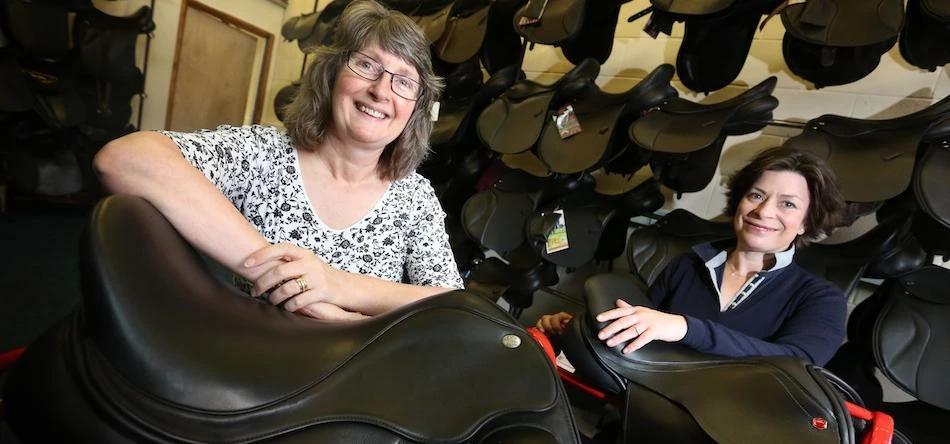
(792, 312)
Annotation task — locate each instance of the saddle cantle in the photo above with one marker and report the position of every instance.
(314, 28)
(675, 394)
(185, 358)
(685, 139)
(873, 159)
(603, 119)
(833, 42)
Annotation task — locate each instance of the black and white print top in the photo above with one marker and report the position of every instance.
(402, 239)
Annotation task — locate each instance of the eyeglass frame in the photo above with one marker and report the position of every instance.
(382, 70)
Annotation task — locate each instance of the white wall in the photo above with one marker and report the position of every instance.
(893, 89)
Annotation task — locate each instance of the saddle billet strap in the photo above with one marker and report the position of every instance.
(930, 180)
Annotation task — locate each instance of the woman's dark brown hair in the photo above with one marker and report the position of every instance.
(826, 207)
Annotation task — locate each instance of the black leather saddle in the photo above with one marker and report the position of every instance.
(457, 115)
(314, 28)
(685, 139)
(674, 394)
(833, 42)
(512, 123)
(873, 159)
(927, 22)
(603, 119)
(902, 330)
(717, 39)
(161, 351)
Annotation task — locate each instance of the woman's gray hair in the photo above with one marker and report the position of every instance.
(365, 22)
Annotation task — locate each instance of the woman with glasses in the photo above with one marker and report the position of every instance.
(328, 219)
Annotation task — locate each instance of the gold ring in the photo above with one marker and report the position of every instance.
(302, 284)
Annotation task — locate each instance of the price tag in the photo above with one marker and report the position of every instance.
(557, 240)
(566, 122)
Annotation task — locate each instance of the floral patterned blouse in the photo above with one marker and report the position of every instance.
(402, 239)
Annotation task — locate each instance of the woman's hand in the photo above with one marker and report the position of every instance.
(329, 312)
(642, 323)
(299, 279)
(554, 323)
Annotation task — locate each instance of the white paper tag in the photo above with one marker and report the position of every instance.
(562, 362)
(434, 111)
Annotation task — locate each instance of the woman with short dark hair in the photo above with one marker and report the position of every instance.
(746, 297)
(328, 219)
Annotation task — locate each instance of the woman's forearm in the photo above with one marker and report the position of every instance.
(371, 295)
(149, 165)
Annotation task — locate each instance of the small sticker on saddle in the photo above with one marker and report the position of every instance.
(533, 12)
(566, 122)
(557, 239)
(564, 363)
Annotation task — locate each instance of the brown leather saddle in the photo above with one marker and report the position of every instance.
(314, 28)
(833, 42)
(187, 358)
(550, 22)
(717, 39)
(603, 119)
(513, 122)
(927, 22)
(685, 139)
(674, 394)
(873, 159)
(463, 34)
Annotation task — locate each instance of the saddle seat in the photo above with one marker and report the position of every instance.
(691, 7)
(703, 398)
(188, 358)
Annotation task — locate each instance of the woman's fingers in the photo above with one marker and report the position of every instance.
(284, 272)
(642, 339)
(329, 312)
(274, 252)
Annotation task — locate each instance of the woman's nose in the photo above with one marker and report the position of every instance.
(380, 88)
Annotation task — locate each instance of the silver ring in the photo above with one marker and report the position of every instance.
(636, 330)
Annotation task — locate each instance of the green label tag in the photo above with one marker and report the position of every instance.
(557, 240)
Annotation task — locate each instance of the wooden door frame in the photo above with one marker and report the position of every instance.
(238, 23)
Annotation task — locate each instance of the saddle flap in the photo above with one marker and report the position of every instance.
(300, 27)
(462, 37)
(930, 180)
(911, 335)
(433, 25)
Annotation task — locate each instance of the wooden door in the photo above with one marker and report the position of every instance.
(218, 58)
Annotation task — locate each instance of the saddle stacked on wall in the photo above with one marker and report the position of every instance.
(833, 42)
(928, 24)
(70, 93)
(582, 28)
(718, 37)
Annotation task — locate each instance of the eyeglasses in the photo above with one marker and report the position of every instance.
(369, 69)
